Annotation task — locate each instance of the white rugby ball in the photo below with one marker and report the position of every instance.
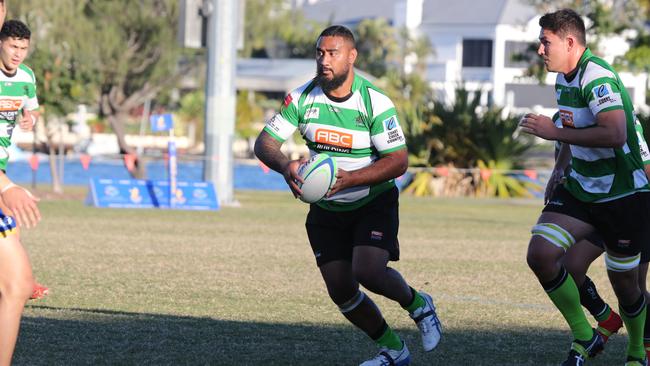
(319, 175)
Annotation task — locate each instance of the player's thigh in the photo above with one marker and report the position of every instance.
(623, 223)
(375, 232)
(555, 233)
(15, 269)
(579, 256)
(339, 280)
(329, 235)
(564, 221)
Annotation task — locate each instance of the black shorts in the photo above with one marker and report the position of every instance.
(333, 234)
(622, 224)
(597, 240)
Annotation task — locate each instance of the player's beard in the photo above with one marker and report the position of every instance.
(331, 84)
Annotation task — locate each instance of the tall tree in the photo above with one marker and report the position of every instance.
(377, 45)
(64, 77)
(116, 54)
(136, 56)
(273, 30)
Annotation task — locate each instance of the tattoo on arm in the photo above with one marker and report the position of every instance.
(267, 149)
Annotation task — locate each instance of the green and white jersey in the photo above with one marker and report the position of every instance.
(599, 174)
(643, 145)
(355, 130)
(16, 92)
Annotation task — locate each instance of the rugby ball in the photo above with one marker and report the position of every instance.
(319, 175)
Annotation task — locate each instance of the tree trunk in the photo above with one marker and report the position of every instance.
(57, 185)
(117, 123)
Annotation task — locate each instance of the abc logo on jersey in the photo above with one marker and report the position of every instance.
(331, 140)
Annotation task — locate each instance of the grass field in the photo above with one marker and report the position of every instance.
(240, 287)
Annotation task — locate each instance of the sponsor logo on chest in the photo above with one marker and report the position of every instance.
(10, 104)
(331, 140)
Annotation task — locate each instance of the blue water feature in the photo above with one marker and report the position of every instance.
(246, 176)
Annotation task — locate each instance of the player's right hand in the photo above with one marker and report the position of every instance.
(27, 121)
(290, 174)
(22, 204)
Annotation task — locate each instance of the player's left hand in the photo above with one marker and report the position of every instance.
(27, 121)
(538, 125)
(556, 178)
(343, 181)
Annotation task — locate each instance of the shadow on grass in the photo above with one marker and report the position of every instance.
(68, 336)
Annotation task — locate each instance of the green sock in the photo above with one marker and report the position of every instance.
(635, 326)
(390, 340)
(418, 302)
(566, 298)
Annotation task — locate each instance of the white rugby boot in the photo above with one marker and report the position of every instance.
(390, 357)
(427, 321)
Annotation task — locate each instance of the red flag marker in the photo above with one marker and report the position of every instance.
(129, 161)
(33, 162)
(85, 161)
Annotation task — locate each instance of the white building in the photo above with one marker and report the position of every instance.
(474, 43)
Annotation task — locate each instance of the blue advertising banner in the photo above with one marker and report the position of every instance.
(161, 122)
(134, 193)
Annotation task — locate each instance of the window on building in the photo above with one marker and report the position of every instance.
(477, 53)
(519, 54)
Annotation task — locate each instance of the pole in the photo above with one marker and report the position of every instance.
(173, 171)
(143, 122)
(220, 97)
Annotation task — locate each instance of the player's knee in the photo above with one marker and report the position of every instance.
(576, 266)
(547, 245)
(540, 260)
(552, 234)
(18, 289)
(369, 277)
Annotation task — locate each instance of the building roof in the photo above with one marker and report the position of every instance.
(488, 12)
(434, 12)
(348, 12)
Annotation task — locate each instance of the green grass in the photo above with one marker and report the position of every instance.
(240, 287)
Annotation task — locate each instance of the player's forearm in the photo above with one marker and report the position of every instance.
(387, 167)
(267, 149)
(597, 136)
(610, 130)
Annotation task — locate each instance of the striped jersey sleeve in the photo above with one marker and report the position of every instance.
(643, 145)
(601, 89)
(282, 125)
(385, 131)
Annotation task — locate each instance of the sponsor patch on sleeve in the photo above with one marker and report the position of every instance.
(390, 123)
(603, 94)
(273, 124)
